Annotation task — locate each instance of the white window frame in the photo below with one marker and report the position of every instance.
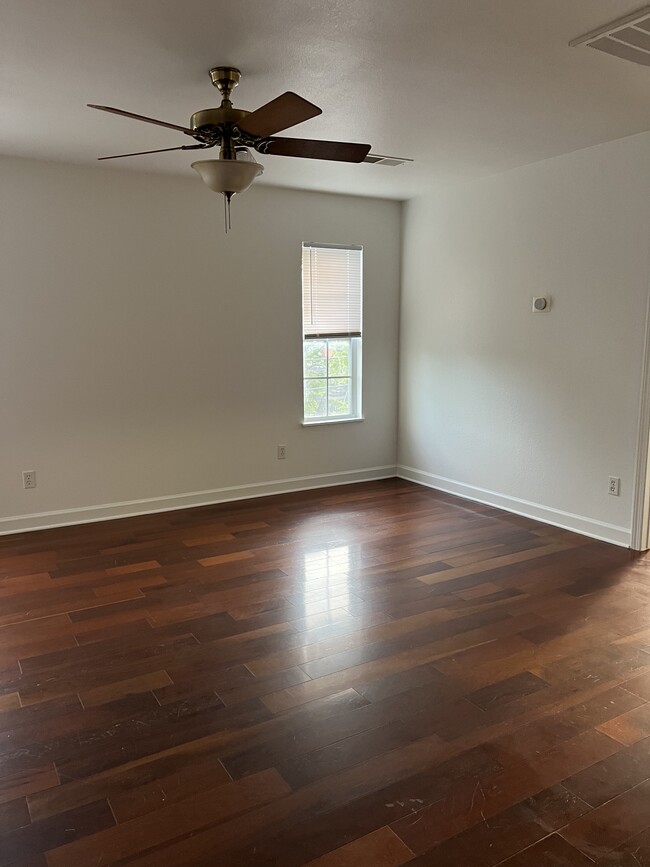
(356, 367)
(355, 385)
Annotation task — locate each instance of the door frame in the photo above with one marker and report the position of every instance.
(640, 530)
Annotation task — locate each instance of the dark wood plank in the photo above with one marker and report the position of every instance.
(374, 674)
(497, 838)
(550, 852)
(477, 801)
(634, 852)
(601, 830)
(185, 817)
(612, 776)
(381, 848)
(63, 829)
(504, 691)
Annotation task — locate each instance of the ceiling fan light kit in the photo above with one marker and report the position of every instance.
(228, 176)
(235, 130)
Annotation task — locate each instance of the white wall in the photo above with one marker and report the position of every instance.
(143, 354)
(530, 412)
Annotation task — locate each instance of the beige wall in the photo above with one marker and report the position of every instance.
(143, 354)
(532, 412)
(148, 361)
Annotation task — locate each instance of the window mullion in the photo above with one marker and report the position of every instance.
(327, 381)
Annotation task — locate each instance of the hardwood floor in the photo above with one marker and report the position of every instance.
(371, 675)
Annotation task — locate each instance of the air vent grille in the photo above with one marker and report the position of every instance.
(381, 160)
(627, 38)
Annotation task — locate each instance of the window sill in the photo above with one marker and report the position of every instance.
(321, 421)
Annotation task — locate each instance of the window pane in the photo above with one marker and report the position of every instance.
(339, 357)
(315, 357)
(340, 397)
(315, 398)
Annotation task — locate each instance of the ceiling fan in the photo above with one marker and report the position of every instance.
(235, 130)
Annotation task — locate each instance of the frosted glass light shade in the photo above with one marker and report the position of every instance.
(228, 176)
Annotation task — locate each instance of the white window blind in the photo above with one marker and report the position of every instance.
(331, 281)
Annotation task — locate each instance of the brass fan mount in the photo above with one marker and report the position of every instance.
(225, 79)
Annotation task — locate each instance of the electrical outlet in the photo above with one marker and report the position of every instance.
(29, 479)
(282, 453)
(614, 486)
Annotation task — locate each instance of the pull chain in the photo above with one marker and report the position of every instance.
(226, 210)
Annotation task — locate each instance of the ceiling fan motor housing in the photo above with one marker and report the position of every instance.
(217, 117)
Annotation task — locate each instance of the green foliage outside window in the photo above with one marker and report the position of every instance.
(328, 382)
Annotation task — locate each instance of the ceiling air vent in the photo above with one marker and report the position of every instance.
(381, 160)
(628, 38)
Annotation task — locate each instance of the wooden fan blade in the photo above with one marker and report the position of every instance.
(312, 149)
(159, 151)
(284, 111)
(108, 108)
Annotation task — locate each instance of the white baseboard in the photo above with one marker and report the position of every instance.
(131, 508)
(566, 520)
(110, 511)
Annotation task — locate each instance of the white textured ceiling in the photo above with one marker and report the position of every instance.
(465, 87)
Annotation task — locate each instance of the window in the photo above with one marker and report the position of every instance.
(331, 327)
